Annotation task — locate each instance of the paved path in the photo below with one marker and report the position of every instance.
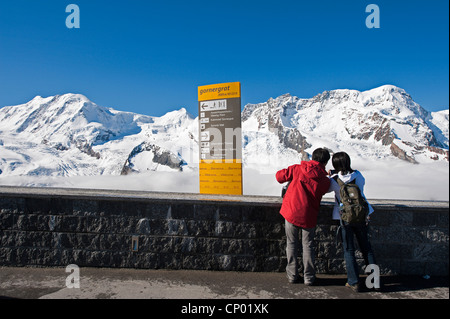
(101, 283)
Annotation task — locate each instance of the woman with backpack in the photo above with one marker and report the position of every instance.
(353, 211)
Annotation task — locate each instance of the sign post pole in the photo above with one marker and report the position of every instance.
(220, 138)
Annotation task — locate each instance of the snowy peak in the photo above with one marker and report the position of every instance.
(67, 119)
(397, 102)
(40, 112)
(385, 120)
(50, 109)
(387, 99)
(178, 117)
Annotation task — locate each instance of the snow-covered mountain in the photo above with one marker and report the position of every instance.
(374, 124)
(68, 135)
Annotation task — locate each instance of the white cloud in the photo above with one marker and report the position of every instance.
(398, 180)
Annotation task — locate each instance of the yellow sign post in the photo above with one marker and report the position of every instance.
(220, 138)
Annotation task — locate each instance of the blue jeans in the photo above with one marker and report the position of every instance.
(349, 232)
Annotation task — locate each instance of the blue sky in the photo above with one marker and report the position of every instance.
(149, 56)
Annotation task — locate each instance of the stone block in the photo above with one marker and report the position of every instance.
(76, 241)
(182, 211)
(389, 234)
(6, 256)
(336, 266)
(436, 268)
(33, 222)
(7, 238)
(157, 211)
(399, 218)
(245, 263)
(12, 205)
(224, 229)
(272, 264)
(38, 239)
(107, 208)
(196, 262)
(230, 213)
(143, 227)
(429, 252)
(443, 219)
(133, 208)
(382, 217)
(160, 245)
(325, 232)
(411, 267)
(200, 228)
(123, 224)
(82, 207)
(37, 205)
(159, 227)
(97, 225)
(325, 216)
(392, 250)
(113, 242)
(235, 247)
(46, 257)
(6, 219)
(205, 212)
(257, 214)
(437, 236)
(326, 249)
(177, 227)
(247, 230)
(321, 265)
(60, 206)
(67, 224)
(225, 262)
(170, 261)
(426, 219)
(269, 230)
(390, 267)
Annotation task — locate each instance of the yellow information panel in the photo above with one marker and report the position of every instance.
(219, 91)
(220, 139)
(220, 178)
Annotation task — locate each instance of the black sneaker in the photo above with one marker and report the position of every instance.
(293, 281)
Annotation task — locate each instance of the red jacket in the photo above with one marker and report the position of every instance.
(309, 182)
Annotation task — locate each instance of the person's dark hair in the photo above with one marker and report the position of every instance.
(342, 163)
(321, 155)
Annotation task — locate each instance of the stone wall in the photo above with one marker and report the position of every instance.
(50, 227)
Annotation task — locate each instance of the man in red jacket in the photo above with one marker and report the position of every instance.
(308, 183)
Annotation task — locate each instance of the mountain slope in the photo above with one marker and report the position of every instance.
(67, 119)
(378, 123)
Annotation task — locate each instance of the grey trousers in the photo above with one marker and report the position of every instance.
(292, 246)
